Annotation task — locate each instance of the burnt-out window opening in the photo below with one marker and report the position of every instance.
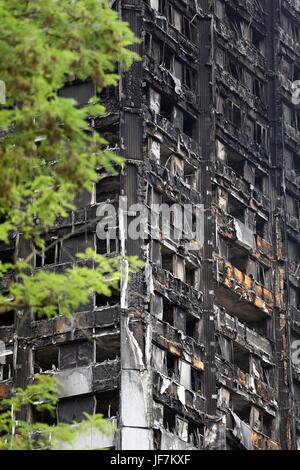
(196, 434)
(258, 89)
(295, 31)
(81, 92)
(108, 187)
(189, 78)
(108, 346)
(238, 257)
(234, 20)
(241, 358)
(76, 354)
(293, 206)
(7, 318)
(182, 428)
(263, 275)
(196, 380)
(111, 133)
(264, 327)
(236, 209)
(44, 416)
(235, 161)
(258, 40)
(190, 174)
(167, 107)
(296, 164)
(293, 250)
(6, 364)
(260, 180)
(241, 408)
(236, 71)
(165, 156)
(168, 312)
(192, 325)
(167, 259)
(7, 255)
(267, 374)
(189, 30)
(224, 348)
(297, 391)
(168, 59)
(295, 120)
(107, 403)
(189, 125)
(190, 274)
(260, 135)
(171, 365)
(175, 18)
(46, 359)
(108, 245)
(234, 114)
(267, 423)
(105, 301)
(295, 298)
(169, 419)
(70, 410)
(261, 227)
(50, 254)
(296, 73)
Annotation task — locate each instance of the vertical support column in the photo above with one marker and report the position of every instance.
(207, 137)
(285, 425)
(136, 379)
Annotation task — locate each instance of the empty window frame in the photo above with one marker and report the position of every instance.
(108, 345)
(295, 120)
(241, 358)
(102, 300)
(6, 364)
(261, 181)
(167, 108)
(50, 254)
(189, 78)
(258, 40)
(172, 365)
(7, 318)
(189, 125)
(191, 274)
(108, 187)
(260, 135)
(236, 71)
(261, 227)
(234, 20)
(168, 312)
(167, 259)
(234, 114)
(241, 407)
(169, 419)
(76, 354)
(175, 18)
(258, 88)
(236, 209)
(108, 245)
(238, 257)
(192, 326)
(295, 298)
(107, 403)
(46, 359)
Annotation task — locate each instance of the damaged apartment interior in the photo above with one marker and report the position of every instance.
(200, 340)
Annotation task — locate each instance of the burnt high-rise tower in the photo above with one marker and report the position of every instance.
(199, 350)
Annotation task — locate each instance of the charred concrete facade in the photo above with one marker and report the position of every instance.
(196, 351)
